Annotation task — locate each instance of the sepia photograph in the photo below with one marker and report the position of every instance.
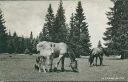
(63, 40)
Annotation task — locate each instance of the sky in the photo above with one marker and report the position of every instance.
(26, 16)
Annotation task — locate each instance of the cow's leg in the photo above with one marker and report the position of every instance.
(39, 67)
(51, 64)
(62, 63)
(44, 65)
(91, 60)
(101, 60)
(44, 69)
(96, 60)
(56, 66)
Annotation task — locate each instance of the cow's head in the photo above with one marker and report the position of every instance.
(47, 50)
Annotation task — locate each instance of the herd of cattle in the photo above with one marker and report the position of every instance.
(50, 50)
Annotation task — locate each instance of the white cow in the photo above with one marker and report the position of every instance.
(51, 50)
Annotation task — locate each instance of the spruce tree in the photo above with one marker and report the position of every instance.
(47, 32)
(72, 27)
(15, 42)
(3, 34)
(72, 37)
(31, 42)
(10, 43)
(99, 44)
(27, 46)
(40, 38)
(35, 42)
(19, 45)
(60, 30)
(22, 44)
(31, 35)
(79, 32)
(116, 35)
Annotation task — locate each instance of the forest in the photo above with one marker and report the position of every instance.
(76, 33)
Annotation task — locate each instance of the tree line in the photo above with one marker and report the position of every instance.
(76, 34)
(17, 44)
(55, 29)
(14, 43)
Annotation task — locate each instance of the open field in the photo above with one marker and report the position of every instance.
(20, 68)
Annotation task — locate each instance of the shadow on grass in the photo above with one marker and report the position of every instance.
(99, 65)
(102, 65)
(59, 71)
(115, 59)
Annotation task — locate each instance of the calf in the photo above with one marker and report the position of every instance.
(74, 65)
(40, 62)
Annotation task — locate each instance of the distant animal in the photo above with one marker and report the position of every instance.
(51, 50)
(97, 52)
(40, 62)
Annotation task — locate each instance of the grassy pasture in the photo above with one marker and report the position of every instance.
(20, 68)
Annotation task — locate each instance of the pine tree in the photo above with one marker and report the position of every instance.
(79, 32)
(19, 45)
(31, 47)
(36, 41)
(40, 38)
(116, 35)
(22, 44)
(72, 37)
(9, 43)
(47, 33)
(15, 42)
(60, 30)
(31, 35)
(99, 44)
(72, 27)
(3, 35)
(27, 45)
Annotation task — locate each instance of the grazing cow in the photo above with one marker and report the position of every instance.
(96, 53)
(52, 50)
